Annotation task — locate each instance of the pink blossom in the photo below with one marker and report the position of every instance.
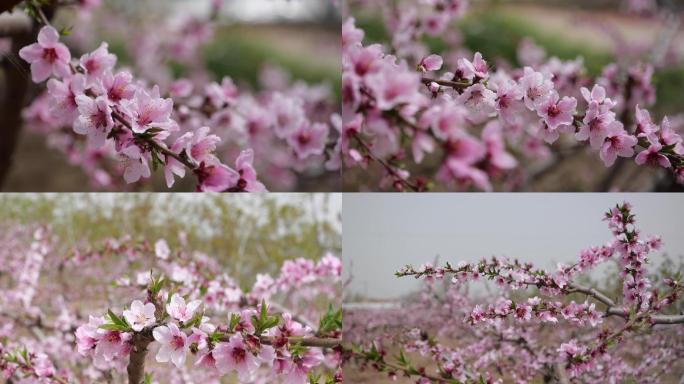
(477, 69)
(95, 119)
(479, 100)
(207, 361)
(492, 137)
(616, 143)
(181, 88)
(598, 96)
(556, 113)
(178, 309)
(136, 164)
(523, 312)
(364, 61)
(434, 23)
(288, 114)
(309, 139)
(447, 121)
(536, 88)
(302, 365)
(235, 356)
(140, 315)
(112, 344)
(248, 177)
(430, 63)
(221, 95)
(350, 34)
(421, 144)
(669, 137)
(116, 87)
(508, 94)
(48, 56)
(173, 344)
(652, 156)
(87, 335)
(148, 110)
(644, 125)
(216, 177)
(161, 249)
(43, 366)
(503, 307)
(595, 126)
(97, 63)
(201, 145)
(393, 89)
(63, 93)
(571, 349)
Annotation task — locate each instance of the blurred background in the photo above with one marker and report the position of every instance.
(245, 234)
(599, 31)
(252, 42)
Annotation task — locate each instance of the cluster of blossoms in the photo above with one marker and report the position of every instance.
(470, 126)
(113, 109)
(252, 339)
(545, 335)
(180, 125)
(46, 339)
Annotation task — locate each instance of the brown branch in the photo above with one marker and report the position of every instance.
(160, 148)
(141, 340)
(136, 364)
(388, 167)
(446, 83)
(320, 342)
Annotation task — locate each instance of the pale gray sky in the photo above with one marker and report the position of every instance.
(260, 10)
(383, 232)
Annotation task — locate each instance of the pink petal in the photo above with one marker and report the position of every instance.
(40, 71)
(48, 36)
(31, 53)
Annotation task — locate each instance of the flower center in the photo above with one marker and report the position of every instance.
(50, 55)
(141, 318)
(177, 342)
(91, 66)
(553, 110)
(239, 355)
(303, 138)
(99, 119)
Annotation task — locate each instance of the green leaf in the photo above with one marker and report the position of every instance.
(331, 321)
(147, 379)
(234, 320)
(65, 31)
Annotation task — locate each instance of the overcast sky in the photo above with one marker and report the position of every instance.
(383, 232)
(260, 10)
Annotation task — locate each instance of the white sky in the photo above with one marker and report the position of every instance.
(383, 232)
(259, 10)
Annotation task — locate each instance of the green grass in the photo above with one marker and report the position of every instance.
(237, 53)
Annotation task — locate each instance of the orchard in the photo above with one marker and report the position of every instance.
(424, 109)
(532, 325)
(156, 310)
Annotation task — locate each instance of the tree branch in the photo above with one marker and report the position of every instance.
(136, 364)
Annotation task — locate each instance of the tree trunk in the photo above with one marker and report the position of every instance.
(16, 87)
